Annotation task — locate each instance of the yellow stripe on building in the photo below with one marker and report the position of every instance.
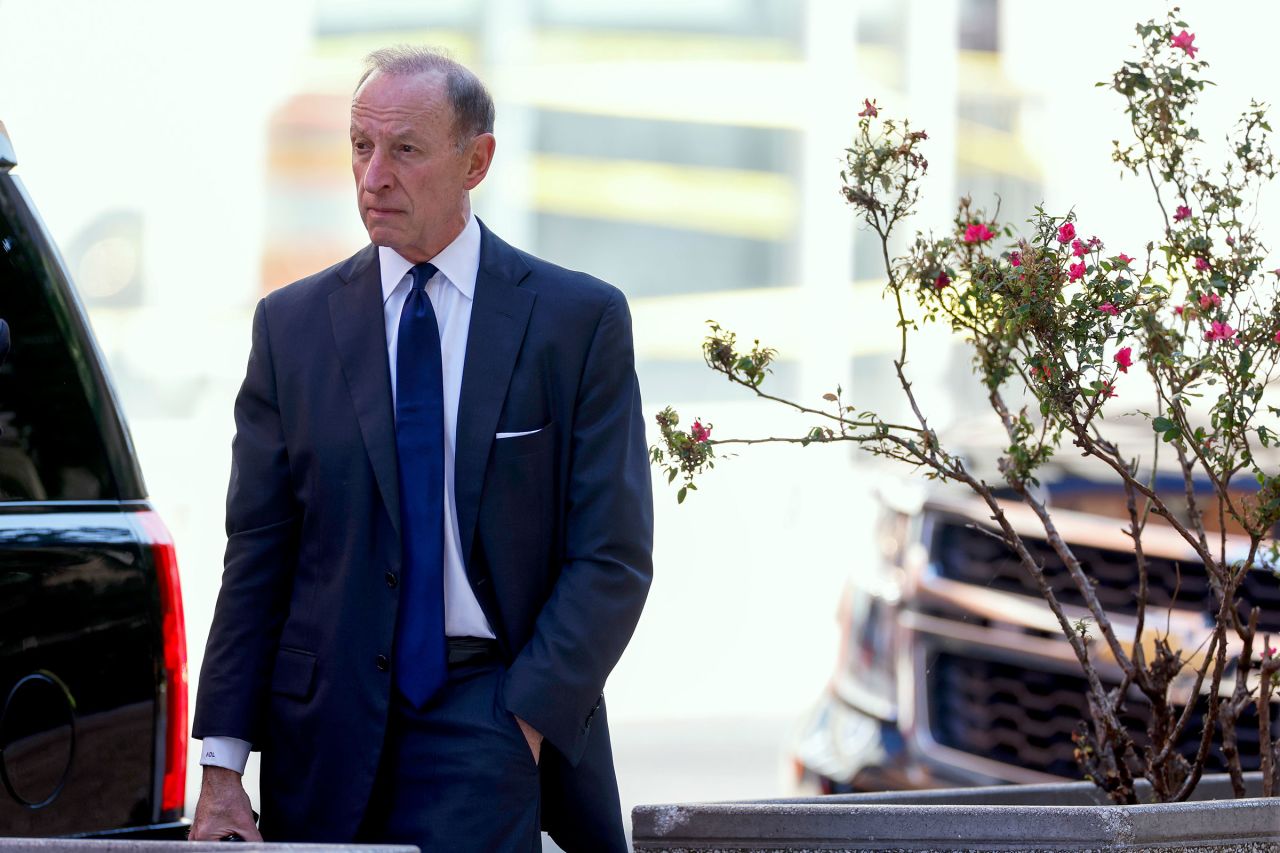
(994, 151)
(563, 44)
(673, 327)
(737, 202)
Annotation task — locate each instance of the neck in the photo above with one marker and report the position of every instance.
(435, 244)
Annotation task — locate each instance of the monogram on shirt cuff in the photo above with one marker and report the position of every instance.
(229, 752)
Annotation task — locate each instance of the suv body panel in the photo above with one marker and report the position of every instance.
(83, 676)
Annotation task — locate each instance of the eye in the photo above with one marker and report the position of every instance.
(359, 144)
(407, 149)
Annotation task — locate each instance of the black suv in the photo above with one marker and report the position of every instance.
(93, 656)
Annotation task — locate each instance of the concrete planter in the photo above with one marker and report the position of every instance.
(1033, 818)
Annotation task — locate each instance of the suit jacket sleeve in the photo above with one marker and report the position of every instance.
(262, 524)
(555, 682)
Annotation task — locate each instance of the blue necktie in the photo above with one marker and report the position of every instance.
(420, 652)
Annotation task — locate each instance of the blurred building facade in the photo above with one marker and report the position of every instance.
(687, 152)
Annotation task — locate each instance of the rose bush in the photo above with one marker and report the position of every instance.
(1056, 317)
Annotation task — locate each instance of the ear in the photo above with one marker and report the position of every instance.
(479, 156)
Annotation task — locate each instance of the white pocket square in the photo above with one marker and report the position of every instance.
(516, 434)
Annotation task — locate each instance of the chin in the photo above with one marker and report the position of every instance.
(382, 236)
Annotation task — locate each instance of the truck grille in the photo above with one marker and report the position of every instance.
(1025, 717)
(971, 556)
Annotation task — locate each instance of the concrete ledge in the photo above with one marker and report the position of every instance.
(68, 845)
(1041, 818)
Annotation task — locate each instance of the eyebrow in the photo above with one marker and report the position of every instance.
(397, 134)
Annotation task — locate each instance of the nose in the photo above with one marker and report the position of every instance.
(377, 173)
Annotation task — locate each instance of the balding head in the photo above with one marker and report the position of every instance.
(473, 112)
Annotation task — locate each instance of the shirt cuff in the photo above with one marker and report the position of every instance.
(229, 752)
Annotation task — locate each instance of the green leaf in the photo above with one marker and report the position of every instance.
(681, 494)
(1162, 424)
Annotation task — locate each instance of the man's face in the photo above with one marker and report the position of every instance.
(411, 177)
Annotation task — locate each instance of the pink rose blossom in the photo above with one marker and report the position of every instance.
(700, 433)
(1077, 248)
(1075, 272)
(942, 280)
(1015, 258)
(1108, 389)
(1278, 337)
(870, 110)
(1066, 233)
(1183, 212)
(1178, 310)
(1208, 300)
(1108, 308)
(1231, 241)
(1124, 358)
(1202, 264)
(1184, 40)
(977, 233)
(1219, 331)
(1094, 244)
(1125, 259)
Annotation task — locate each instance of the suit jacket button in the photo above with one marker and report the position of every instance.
(392, 580)
(382, 663)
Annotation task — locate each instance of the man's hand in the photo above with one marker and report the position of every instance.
(532, 736)
(223, 808)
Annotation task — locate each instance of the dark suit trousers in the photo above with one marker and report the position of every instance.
(458, 775)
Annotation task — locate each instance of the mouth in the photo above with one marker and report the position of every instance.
(382, 211)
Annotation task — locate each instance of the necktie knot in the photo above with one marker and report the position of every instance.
(422, 274)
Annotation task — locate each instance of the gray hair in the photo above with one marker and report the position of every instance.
(472, 104)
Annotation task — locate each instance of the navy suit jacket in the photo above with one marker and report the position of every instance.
(556, 528)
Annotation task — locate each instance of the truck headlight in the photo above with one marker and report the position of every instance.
(865, 672)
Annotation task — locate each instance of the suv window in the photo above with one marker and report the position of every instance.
(50, 446)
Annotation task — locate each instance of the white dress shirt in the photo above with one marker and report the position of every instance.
(452, 291)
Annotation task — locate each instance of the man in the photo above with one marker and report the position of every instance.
(439, 519)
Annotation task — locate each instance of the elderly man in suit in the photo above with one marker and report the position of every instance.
(439, 518)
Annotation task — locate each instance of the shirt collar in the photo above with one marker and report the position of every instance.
(459, 261)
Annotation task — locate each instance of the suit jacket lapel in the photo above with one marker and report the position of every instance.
(359, 330)
(499, 317)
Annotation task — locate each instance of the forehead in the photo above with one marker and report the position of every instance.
(402, 103)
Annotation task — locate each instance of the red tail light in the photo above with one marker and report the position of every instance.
(174, 784)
